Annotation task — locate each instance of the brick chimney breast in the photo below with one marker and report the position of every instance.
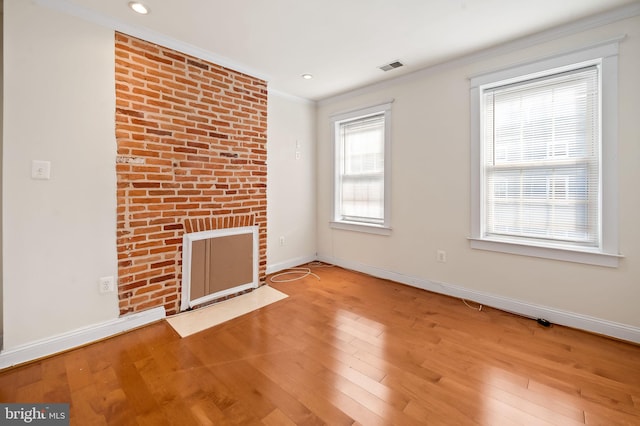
(192, 138)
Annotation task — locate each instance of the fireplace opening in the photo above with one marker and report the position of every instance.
(218, 263)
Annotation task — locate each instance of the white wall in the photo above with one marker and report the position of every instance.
(431, 191)
(59, 235)
(291, 207)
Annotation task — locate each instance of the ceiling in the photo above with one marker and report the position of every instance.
(340, 42)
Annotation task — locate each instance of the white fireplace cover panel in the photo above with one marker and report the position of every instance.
(187, 241)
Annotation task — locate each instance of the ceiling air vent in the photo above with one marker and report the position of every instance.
(392, 65)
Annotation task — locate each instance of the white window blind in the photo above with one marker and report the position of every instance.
(541, 163)
(361, 169)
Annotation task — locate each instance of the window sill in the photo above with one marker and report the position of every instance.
(361, 227)
(564, 254)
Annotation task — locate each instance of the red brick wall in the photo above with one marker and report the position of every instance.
(191, 155)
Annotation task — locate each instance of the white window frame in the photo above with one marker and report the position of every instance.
(337, 221)
(606, 54)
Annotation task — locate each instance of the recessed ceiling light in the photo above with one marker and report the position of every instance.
(307, 76)
(139, 7)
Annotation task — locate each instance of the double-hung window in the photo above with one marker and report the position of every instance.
(361, 169)
(544, 179)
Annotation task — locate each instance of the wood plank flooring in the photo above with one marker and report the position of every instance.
(347, 349)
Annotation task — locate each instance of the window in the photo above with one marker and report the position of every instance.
(543, 148)
(361, 170)
(541, 151)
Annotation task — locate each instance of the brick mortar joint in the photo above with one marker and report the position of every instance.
(132, 110)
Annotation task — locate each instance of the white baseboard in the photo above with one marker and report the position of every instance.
(79, 337)
(277, 267)
(519, 307)
(65, 341)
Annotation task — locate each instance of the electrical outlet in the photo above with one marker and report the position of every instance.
(441, 256)
(281, 241)
(106, 285)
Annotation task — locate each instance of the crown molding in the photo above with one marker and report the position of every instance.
(551, 34)
(147, 34)
(285, 95)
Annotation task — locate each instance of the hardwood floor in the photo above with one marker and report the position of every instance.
(348, 349)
